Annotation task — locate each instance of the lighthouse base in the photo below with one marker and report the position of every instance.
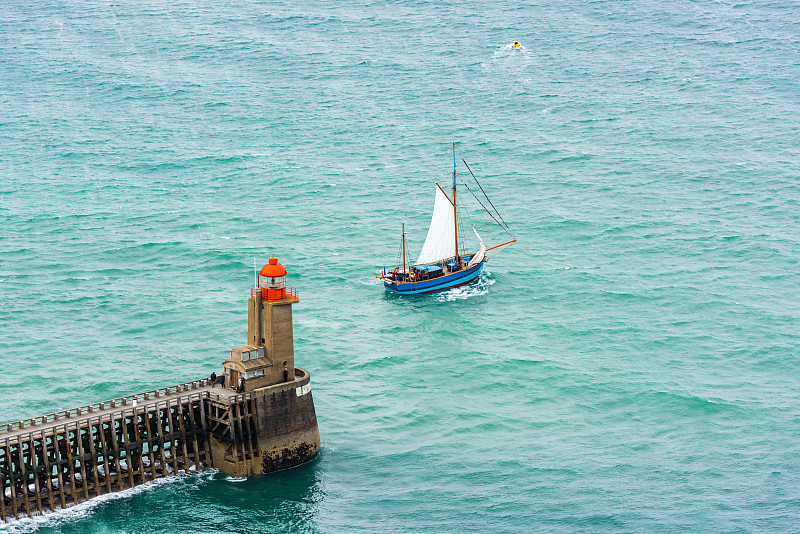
(264, 430)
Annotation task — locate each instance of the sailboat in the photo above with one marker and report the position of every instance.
(444, 261)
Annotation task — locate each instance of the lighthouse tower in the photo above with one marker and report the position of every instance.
(268, 357)
(282, 430)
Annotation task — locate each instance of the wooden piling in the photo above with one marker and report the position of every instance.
(173, 444)
(12, 481)
(10, 471)
(84, 478)
(150, 455)
(35, 469)
(59, 466)
(70, 442)
(97, 486)
(123, 421)
(24, 485)
(139, 446)
(182, 429)
(3, 471)
(104, 444)
(206, 431)
(162, 456)
(195, 440)
(49, 470)
(247, 447)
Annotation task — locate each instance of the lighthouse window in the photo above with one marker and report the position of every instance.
(275, 282)
(260, 353)
(254, 374)
(245, 355)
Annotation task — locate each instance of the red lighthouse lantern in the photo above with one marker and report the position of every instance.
(273, 280)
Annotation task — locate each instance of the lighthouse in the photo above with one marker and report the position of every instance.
(267, 400)
(268, 357)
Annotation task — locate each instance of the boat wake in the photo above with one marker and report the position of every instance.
(476, 288)
(509, 50)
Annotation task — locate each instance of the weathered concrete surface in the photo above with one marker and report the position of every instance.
(291, 436)
(278, 430)
(269, 327)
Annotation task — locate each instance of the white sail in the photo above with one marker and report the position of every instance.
(491, 251)
(477, 258)
(441, 241)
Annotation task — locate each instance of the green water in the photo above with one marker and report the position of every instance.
(630, 365)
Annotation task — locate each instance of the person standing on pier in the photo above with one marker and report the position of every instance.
(213, 379)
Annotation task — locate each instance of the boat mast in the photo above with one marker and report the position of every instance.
(404, 251)
(455, 213)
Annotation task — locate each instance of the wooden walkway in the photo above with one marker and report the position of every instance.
(18, 428)
(60, 459)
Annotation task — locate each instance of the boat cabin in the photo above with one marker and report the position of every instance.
(426, 272)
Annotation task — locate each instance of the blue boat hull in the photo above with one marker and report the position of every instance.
(437, 284)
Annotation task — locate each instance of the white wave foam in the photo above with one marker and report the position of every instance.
(82, 510)
(474, 289)
(509, 49)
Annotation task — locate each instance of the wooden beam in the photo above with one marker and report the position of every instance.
(24, 479)
(98, 488)
(82, 452)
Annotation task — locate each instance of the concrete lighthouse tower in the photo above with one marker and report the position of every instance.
(283, 431)
(268, 357)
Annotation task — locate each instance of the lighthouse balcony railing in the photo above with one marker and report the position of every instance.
(291, 291)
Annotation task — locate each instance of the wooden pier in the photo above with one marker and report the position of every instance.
(58, 460)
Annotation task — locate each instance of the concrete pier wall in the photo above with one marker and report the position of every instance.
(269, 428)
(55, 461)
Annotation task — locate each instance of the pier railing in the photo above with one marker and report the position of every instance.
(301, 379)
(35, 431)
(129, 400)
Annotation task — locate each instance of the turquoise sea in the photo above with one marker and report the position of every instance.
(630, 365)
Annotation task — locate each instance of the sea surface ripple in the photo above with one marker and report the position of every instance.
(630, 365)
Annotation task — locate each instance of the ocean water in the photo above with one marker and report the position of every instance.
(629, 365)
